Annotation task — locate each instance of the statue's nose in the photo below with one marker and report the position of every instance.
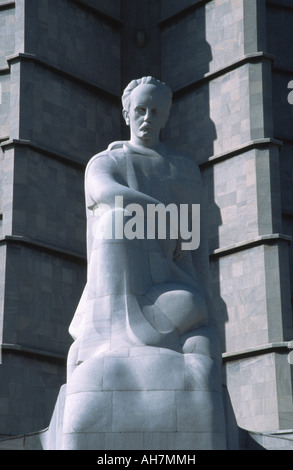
(147, 116)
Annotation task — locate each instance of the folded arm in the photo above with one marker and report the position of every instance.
(104, 181)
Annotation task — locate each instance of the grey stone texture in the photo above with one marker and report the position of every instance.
(7, 36)
(282, 440)
(229, 65)
(54, 27)
(48, 103)
(29, 315)
(52, 118)
(225, 113)
(24, 442)
(180, 414)
(5, 103)
(40, 182)
(262, 391)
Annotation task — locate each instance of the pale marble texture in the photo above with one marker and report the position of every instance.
(144, 359)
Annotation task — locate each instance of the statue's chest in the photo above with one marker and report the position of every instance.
(155, 177)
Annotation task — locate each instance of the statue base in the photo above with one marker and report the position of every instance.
(141, 398)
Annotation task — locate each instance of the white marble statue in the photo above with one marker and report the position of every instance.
(143, 371)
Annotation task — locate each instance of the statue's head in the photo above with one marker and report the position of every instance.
(146, 106)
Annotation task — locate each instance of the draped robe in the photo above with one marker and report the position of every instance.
(139, 291)
(144, 364)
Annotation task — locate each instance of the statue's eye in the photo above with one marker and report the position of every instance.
(141, 110)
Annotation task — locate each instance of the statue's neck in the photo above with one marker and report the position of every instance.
(159, 149)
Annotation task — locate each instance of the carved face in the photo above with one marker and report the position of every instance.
(147, 115)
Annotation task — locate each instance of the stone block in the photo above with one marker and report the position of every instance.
(280, 34)
(256, 400)
(213, 109)
(112, 7)
(30, 392)
(190, 414)
(171, 7)
(48, 188)
(53, 27)
(93, 412)
(54, 108)
(4, 105)
(7, 27)
(122, 441)
(196, 43)
(160, 415)
(125, 373)
(243, 290)
(27, 293)
(144, 441)
(283, 112)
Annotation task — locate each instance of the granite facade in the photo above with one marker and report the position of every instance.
(29, 390)
(48, 188)
(256, 396)
(54, 27)
(7, 35)
(51, 118)
(56, 111)
(254, 297)
(42, 313)
(233, 108)
(5, 103)
(7, 168)
(263, 391)
(204, 49)
(279, 19)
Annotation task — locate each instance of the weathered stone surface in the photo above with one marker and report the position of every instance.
(141, 335)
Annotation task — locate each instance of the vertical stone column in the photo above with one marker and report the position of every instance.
(226, 96)
(55, 89)
(255, 282)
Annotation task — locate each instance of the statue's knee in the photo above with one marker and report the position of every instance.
(202, 340)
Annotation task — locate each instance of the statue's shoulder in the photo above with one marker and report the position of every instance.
(107, 158)
(184, 163)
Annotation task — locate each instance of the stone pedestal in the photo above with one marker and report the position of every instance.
(141, 398)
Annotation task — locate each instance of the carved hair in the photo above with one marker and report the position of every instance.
(145, 81)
